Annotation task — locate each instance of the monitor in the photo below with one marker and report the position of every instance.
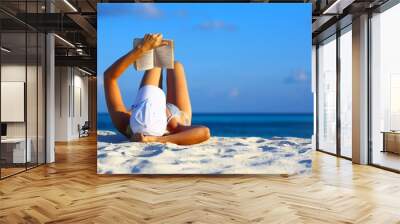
(3, 129)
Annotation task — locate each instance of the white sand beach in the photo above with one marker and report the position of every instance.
(219, 155)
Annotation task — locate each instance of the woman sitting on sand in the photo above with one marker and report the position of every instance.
(153, 117)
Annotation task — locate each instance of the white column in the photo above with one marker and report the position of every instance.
(50, 93)
(50, 99)
(360, 90)
(314, 92)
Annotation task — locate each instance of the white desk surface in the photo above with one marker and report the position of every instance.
(12, 140)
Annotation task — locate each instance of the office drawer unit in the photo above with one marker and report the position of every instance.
(13, 150)
(391, 141)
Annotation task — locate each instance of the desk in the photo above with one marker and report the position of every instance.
(13, 150)
(391, 141)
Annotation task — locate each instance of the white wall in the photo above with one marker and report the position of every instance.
(80, 94)
(71, 93)
(14, 73)
(33, 126)
(61, 104)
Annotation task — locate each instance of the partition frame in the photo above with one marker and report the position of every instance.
(387, 5)
(44, 76)
(337, 34)
(382, 8)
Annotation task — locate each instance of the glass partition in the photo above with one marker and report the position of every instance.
(41, 96)
(31, 97)
(35, 88)
(14, 153)
(346, 92)
(22, 91)
(385, 89)
(327, 95)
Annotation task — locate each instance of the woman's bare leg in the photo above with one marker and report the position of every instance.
(177, 89)
(152, 77)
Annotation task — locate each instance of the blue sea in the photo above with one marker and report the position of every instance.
(243, 125)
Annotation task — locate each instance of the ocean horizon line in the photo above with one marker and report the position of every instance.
(244, 113)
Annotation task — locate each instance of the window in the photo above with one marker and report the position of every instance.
(346, 92)
(385, 89)
(327, 95)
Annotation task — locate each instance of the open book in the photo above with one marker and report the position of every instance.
(159, 57)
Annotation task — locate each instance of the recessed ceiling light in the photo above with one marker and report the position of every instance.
(84, 71)
(338, 6)
(70, 5)
(5, 50)
(64, 40)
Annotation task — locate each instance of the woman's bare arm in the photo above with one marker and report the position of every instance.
(184, 135)
(116, 107)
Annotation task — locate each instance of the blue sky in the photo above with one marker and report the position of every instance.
(238, 57)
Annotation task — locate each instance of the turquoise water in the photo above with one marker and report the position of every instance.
(244, 125)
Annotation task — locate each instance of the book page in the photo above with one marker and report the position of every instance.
(145, 62)
(164, 56)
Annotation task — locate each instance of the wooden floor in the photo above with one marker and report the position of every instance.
(387, 159)
(5, 172)
(70, 191)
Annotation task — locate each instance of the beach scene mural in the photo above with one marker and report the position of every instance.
(226, 89)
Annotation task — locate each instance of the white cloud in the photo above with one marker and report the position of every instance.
(234, 92)
(150, 10)
(182, 13)
(216, 25)
(145, 10)
(298, 76)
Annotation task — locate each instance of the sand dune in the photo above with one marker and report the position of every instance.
(219, 155)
